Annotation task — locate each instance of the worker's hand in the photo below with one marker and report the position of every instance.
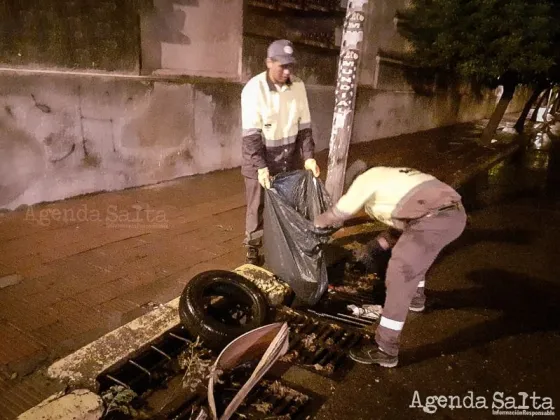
(264, 177)
(331, 218)
(311, 165)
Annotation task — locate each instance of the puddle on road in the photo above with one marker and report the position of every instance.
(530, 175)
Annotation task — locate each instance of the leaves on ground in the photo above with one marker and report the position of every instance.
(196, 362)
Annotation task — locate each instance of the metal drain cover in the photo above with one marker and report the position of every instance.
(154, 383)
(317, 344)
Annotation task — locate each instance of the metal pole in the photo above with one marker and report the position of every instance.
(345, 96)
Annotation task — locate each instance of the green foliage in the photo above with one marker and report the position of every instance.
(483, 39)
(119, 399)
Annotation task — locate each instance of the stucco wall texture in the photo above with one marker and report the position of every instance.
(66, 135)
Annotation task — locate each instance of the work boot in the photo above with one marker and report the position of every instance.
(373, 355)
(416, 307)
(418, 301)
(252, 256)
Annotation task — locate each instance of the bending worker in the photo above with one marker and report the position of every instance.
(429, 214)
(277, 134)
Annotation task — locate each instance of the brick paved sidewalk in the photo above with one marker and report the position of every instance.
(85, 266)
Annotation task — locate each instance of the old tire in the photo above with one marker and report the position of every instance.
(198, 315)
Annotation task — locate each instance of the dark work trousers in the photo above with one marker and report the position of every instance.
(416, 250)
(254, 197)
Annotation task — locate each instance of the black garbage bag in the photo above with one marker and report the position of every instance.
(292, 245)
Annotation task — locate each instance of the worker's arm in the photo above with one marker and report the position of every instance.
(361, 190)
(304, 139)
(349, 204)
(305, 135)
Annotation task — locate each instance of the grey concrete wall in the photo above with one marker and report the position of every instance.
(314, 66)
(385, 114)
(62, 135)
(313, 35)
(65, 135)
(193, 37)
(380, 33)
(93, 35)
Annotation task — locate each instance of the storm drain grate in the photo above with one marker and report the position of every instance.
(150, 367)
(154, 375)
(317, 344)
(156, 382)
(274, 398)
(270, 398)
(359, 298)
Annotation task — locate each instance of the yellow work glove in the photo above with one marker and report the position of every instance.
(311, 165)
(264, 177)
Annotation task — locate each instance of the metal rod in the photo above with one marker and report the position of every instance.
(338, 334)
(142, 368)
(117, 381)
(161, 352)
(347, 321)
(354, 339)
(323, 332)
(329, 355)
(344, 339)
(367, 321)
(178, 337)
(310, 327)
(318, 356)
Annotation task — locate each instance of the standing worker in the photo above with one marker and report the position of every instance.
(429, 214)
(277, 134)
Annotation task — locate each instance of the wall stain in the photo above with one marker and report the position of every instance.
(166, 123)
(91, 161)
(187, 155)
(44, 108)
(59, 146)
(223, 96)
(54, 160)
(184, 155)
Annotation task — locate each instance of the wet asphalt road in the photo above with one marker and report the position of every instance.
(492, 326)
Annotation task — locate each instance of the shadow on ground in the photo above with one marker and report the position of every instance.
(527, 305)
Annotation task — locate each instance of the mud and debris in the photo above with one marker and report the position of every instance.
(289, 357)
(328, 369)
(279, 390)
(121, 400)
(196, 361)
(276, 291)
(355, 281)
(309, 342)
(263, 407)
(270, 399)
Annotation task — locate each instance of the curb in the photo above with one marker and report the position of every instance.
(82, 367)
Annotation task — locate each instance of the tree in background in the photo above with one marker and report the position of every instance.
(544, 97)
(544, 83)
(488, 42)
